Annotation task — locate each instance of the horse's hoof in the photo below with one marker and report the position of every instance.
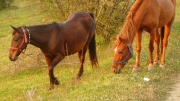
(56, 82)
(155, 63)
(78, 77)
(162, 66)
(135, 70)
(151, 67)
(51, 88)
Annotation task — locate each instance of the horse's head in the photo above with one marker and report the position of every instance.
(122, 53)
(18, 44)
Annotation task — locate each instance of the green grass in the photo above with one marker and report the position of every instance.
(28, 77)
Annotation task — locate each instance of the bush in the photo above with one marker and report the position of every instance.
(5, 4)
(109, 14)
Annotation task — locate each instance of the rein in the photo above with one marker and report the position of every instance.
(125, 59)
(24, 40)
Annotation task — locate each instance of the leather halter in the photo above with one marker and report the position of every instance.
(125, 59)
(24, 40)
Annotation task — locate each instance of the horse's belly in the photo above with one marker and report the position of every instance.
(75, 46)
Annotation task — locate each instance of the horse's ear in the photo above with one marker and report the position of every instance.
(14, 28)
(120, 39)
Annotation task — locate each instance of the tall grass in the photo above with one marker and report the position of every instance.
(27, 78)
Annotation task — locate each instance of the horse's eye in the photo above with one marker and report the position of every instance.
(15, 39)
(120, 52)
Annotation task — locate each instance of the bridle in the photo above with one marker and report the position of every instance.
(24, 41)
(125, 59)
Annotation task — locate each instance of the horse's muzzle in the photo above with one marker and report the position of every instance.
(117, 70)
(13, 58)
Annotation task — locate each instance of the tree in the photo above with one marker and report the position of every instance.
(109, 14)
(5, 4)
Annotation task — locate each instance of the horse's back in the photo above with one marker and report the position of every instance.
(80, 16)
(167, 12)
(158, 12)
(78, 30)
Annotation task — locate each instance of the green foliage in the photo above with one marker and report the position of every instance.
(25, 79)
(176, 24)
(109, 14)
(5, 4)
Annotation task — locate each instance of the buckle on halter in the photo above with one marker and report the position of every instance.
(131, 50)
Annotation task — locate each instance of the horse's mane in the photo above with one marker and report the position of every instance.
(44, 27)
(128, 27)
(136, 5)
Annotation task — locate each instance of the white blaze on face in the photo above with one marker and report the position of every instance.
(115, 49)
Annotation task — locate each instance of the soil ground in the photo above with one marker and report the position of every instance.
(174, 95)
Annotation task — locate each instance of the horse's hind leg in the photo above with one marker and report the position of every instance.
(164, 45)
(157, 41)
(81, 55)
(151, 48)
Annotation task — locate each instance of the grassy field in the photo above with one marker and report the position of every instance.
(27, 78)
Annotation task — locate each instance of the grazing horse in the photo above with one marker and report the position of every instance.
(148, 15)
(57, 40)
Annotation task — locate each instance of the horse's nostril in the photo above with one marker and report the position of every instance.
(114, 70)
(120, 70)
(117, 71)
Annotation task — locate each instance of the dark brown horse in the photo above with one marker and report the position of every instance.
(58, 40)
(148, 15)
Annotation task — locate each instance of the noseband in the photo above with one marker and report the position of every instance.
(125, 59)
(24, 40)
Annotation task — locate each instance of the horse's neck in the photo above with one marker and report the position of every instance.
(128, 31)
(133, 20)
(131, 26)
(37, 37)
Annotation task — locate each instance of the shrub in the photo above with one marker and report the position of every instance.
(5, 4)
(109, 14)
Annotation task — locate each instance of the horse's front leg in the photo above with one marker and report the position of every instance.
(53, 80)
(138, 50)
(151, 49)
(52, 62)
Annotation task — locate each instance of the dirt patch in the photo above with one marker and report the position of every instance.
(174, 95)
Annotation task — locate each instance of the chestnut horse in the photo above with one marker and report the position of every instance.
(57, 40)
(148, 15)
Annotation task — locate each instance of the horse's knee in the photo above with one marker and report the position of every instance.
(138, 48)
(165, 44)
(151, 47)
(157, 39)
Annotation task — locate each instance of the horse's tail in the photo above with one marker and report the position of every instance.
(92, 47)
(162, 37)
(162, 33)
(92, 52)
